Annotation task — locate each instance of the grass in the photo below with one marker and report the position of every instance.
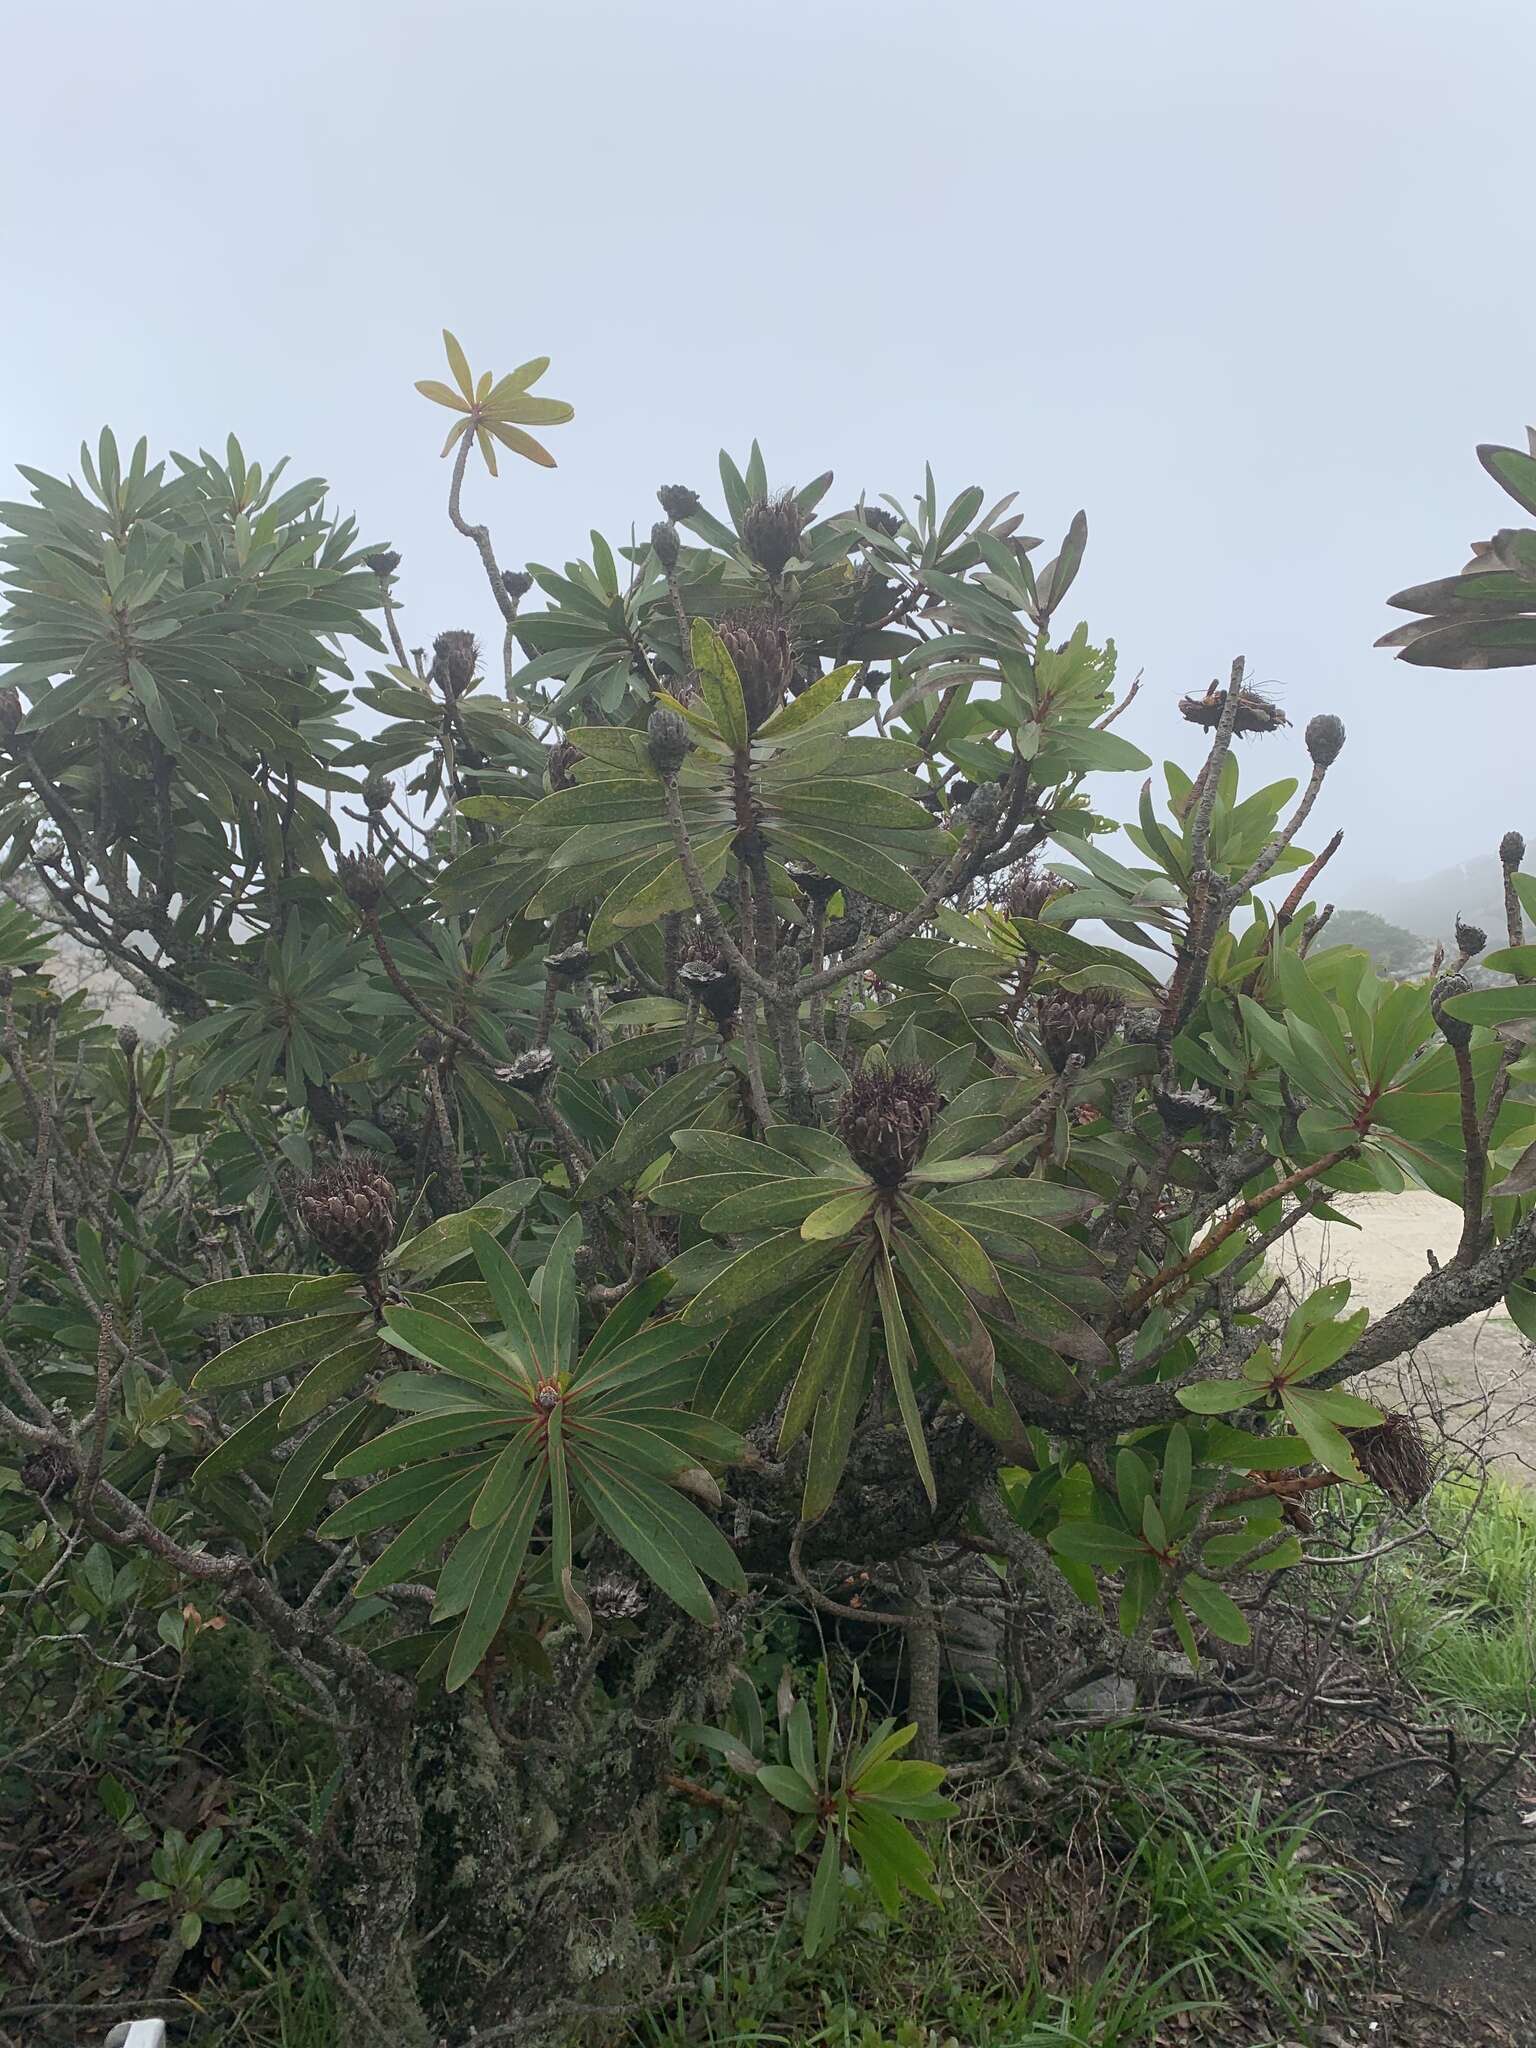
(1459, 1623)
(1151, 1893)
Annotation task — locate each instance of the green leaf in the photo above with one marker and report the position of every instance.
(832, 1431)
(953, 1246)
(898, 1355)
(506, 1546)
(719, 685)
(826, 1891)
(453, 1347)
(1094, 1543)
(1211, 1605)
(253, 1294)
(757, 1275)
(1215, 1397)
(787, 1787)
(272, 1352)
(843, 1313)
(1321, 1436)
(1176, 1475)
(626, 1508)
(1513, 470)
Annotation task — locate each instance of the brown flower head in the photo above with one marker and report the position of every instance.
(562, 758)
(1470, 938)
(665, 544)
(1077, 1025)
(349, 1210)
(882, 519)
(455, 658)
(1512, 849)
(362, 880)
(758, 644)
(885, 1117)
(1030, 888)
(383, 563)
(516, 583)
(771, 530)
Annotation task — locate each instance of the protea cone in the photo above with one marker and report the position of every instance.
(885, 1117)
(1078, 1025)
(771, 530)
(349, 1210)
(455, 657)
(1030, 888)
(758, 644)
(677, 501)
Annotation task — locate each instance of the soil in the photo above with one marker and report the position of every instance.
(1456, 1960)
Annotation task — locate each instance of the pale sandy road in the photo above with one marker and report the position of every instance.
(1484, 1363)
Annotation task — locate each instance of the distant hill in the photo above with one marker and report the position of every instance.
(1472, 889)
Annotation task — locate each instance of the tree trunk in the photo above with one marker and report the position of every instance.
(380, 2004)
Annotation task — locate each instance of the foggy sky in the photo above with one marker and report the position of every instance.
(1248, 284)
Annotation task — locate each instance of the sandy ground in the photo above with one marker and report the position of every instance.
(1484, 1368)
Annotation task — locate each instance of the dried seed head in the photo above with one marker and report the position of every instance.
(430, 1047)
(570, 964)
(810, 881)
(667, 740)
(362, 879)
(1470, 938)
(1255, 713)
(516, 583)
(613, 1597)
(1456, 1030)
(49, 1473)
(1189, 1109)
(758, 644)
(1030, 888)
(455, 658)
(349, 1210)
(384, 562)
(378, 793)
(11, 713)
(1394, 1457)
(531, 1071)
(562, 758)
(1512, 849)
(771, 530)
(665, 543)
(882, 519)
(127, 1039)
(1077, 1025)
(677, 501)
(885, 1117)
(714, 987)
(1325, 739)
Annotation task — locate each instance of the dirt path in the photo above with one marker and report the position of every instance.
(1483, 1366)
